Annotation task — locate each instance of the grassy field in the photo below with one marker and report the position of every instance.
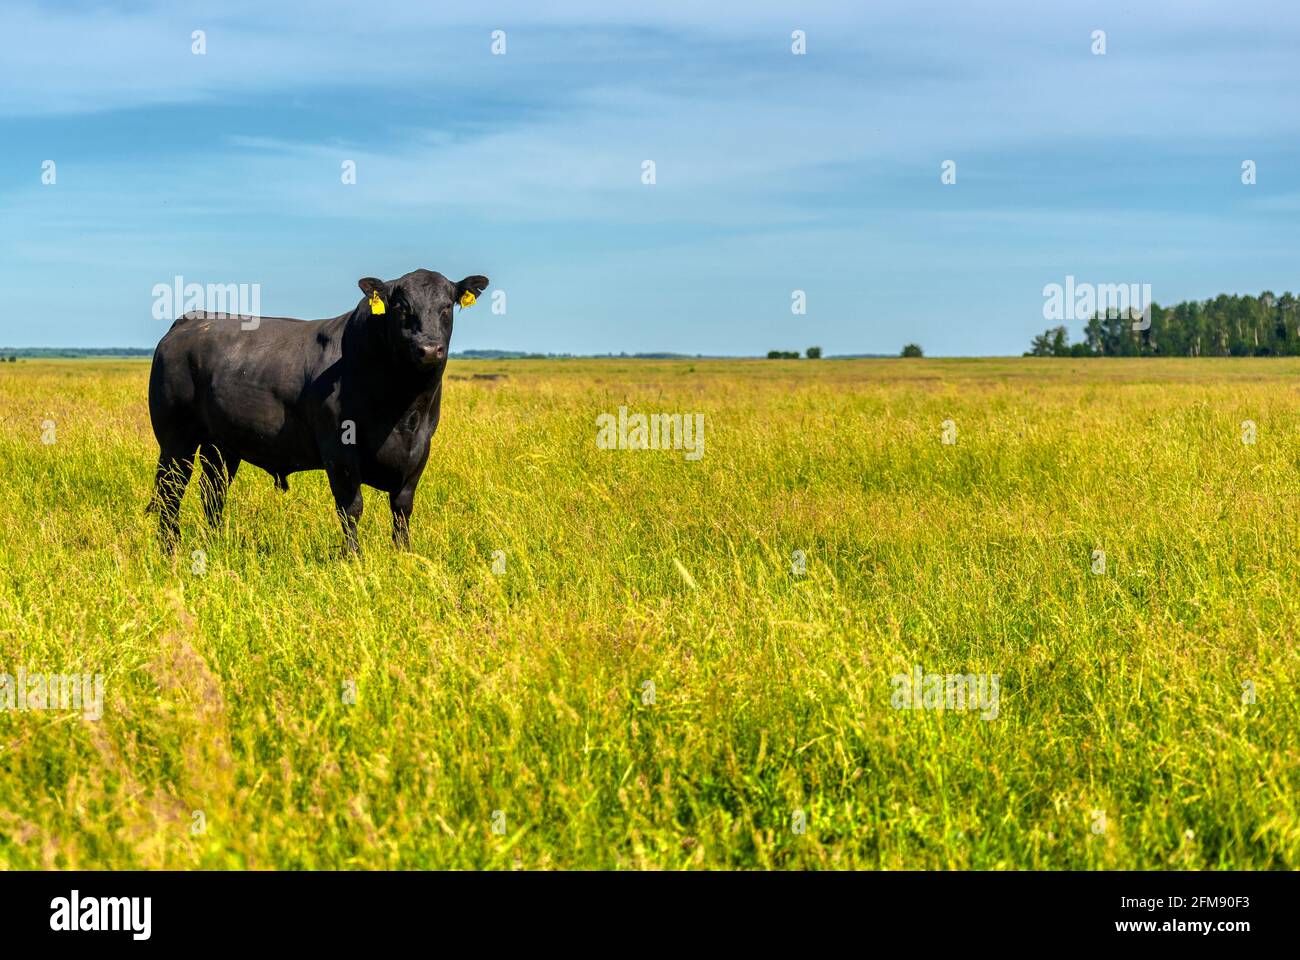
(650, 683)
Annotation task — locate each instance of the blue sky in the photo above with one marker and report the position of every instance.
(775, 172)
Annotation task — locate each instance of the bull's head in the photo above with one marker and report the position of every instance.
(416, 311)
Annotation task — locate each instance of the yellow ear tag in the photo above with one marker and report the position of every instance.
(376, 305)
(467, 299)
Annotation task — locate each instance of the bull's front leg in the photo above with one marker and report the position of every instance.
(345, 484)
(402, 502)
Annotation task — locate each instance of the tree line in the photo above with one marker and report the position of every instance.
(813, 353)
(1227, 326)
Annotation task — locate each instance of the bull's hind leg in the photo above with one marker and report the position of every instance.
(218, 471)
(174, 469)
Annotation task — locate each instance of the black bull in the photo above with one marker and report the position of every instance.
(358, 396)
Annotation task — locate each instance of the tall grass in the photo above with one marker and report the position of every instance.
(649, 684)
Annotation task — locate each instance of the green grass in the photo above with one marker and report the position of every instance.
(523, 693)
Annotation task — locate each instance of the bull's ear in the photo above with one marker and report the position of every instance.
(369, 285)
(469, 288)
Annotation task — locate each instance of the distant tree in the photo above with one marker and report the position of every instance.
(1053, 342)
(1060, 342)
(814, 353)
(783, 354)
(912, 350)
